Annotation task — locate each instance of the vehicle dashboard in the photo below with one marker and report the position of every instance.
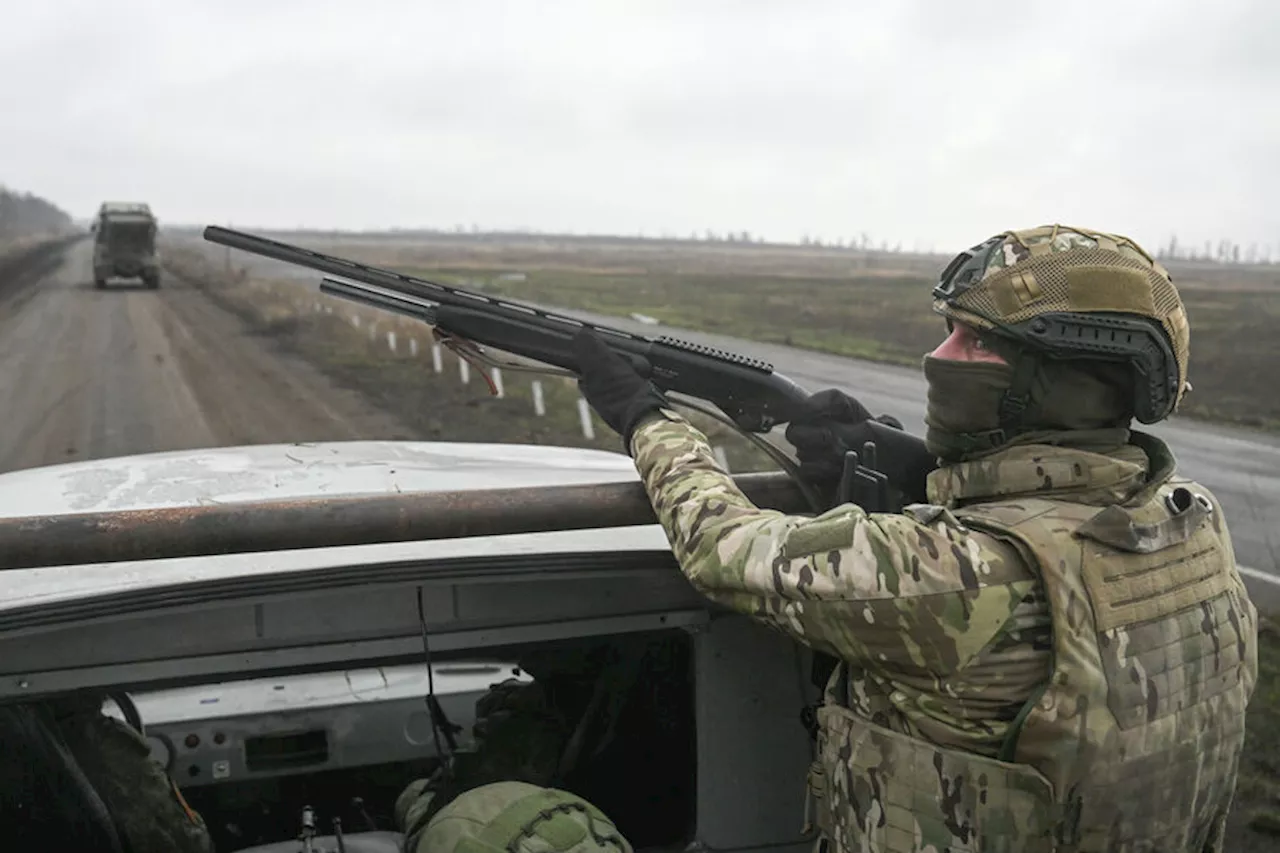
(304, 724)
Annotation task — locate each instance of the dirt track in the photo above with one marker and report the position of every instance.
(91, 373)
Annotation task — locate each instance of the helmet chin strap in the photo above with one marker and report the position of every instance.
(1025, 387)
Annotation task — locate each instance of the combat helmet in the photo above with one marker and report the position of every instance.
(516, 817)
(1073, 293)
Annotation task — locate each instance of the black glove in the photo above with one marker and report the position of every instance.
(831, 423)
(612, 387)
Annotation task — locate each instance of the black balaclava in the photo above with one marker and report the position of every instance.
(1088, 405)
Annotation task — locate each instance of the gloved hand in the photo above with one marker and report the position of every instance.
(831, 423)
(612, 387)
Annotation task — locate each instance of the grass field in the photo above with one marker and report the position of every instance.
(872, 306)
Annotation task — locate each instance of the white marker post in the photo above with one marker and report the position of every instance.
(435, 358)
(464, 371)
(413, 348)
(497, 382)
(584, 415)
(539, 408)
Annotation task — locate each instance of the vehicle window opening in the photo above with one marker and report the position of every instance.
(609, 718)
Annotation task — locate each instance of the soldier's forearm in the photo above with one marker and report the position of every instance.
(714, 530)
(741, 556)
(861, 586)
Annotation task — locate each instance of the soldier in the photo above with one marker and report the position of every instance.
(1055, 651)
(143, 800)
(45, 801)
(78, 779)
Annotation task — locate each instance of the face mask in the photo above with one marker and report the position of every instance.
(964, 405)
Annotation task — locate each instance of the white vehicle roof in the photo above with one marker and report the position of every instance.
(295, 471)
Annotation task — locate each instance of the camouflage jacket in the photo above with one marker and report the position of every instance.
(943, 632)
(1026, 659)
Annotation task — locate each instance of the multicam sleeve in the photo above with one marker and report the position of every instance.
(884, 589)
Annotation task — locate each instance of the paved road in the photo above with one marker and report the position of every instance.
(91, 373)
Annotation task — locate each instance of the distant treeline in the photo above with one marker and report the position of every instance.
(1223, 252)
(24, 214)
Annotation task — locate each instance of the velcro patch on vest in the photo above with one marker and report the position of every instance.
(1148, 587)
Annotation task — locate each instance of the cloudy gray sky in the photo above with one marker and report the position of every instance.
(931, 122)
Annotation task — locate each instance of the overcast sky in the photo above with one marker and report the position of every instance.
(930, 122)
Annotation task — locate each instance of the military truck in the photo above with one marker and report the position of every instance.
(124, 244)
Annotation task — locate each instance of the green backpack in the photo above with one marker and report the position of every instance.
(515, 817)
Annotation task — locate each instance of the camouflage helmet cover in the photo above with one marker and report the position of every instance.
(1076, 293)
(516, 817)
